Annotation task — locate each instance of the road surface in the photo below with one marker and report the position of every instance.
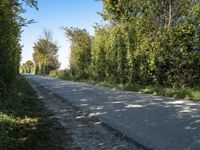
(158, 123)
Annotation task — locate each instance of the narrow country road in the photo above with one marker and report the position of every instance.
(156, 122)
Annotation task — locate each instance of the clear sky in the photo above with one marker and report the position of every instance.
(53, 14)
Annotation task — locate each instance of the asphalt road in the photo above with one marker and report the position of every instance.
(156, 122)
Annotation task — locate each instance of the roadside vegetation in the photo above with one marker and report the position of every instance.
(183, 92)
(24, 122)
(150, 46)
(147, 46)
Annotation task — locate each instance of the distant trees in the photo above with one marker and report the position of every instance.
(45, 54)
(11, 23)
(145, 42)
(27, 67)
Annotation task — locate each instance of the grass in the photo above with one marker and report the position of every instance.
(24, 123)
(184, 93)
(60, 74)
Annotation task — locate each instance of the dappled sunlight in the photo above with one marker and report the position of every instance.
(7, 118)
(83, 100)
(134, 106)
(190, 128)
(177, 106)
(176, 102)
(197, 121)
(82, 105)
(80, 117)
(74, 90)
(96, 107)
(81, 126)
(96, 114)
(195, 116)
(140, 114)
(187, 109)
(193, 104)
(117, 102)
(98, 123)
(28, 121)
(23, 139)
(18, 120)
(119, 110)
(63, 110)
(85, 89)
(17, 128)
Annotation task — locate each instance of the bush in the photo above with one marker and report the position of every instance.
(60, 74)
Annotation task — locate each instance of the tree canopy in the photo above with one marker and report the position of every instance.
(145, 42)
(45, 54)
(27, 67)
(80, 52)
(11, 23)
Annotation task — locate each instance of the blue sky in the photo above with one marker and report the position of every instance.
(53, 14)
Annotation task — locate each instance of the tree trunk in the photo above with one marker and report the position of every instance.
(169, 15)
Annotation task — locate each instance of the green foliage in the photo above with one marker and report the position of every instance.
(11, 23)
(120, 10)
(99, 62)
(145, 43)
(24, 122)
(27, 67)
(60, 74)
(152, 46)
(80, 52)
(148, 43)
(45, 55)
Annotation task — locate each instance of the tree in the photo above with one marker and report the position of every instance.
(144, 42)
(11, 23)
(148, 42)
(80, 57)
(27, 67)
(45, 54)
